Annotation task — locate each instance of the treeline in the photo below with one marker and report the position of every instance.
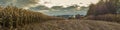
(104, 7)
(104, 10)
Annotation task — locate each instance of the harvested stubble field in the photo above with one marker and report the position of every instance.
(73, 25)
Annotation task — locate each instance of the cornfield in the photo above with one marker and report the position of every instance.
(13, 17)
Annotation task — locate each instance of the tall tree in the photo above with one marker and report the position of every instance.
(103, 7)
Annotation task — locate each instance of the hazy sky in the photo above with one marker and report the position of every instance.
(50, 3)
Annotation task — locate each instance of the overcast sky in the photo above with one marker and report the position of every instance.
(50, 3)
(20, 3)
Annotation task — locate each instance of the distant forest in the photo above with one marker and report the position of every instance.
(105, 7)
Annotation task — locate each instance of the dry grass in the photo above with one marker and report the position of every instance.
(106, 17)
(72, 25)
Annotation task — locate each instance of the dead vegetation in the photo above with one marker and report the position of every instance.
(12, 17)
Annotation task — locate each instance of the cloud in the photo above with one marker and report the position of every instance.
(40, 7)
(4, 2)
(20, 3)
(27, 3)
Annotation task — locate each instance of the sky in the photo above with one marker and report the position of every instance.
(65, 3)
(20, 3)
(51, 3)
(26, 4)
